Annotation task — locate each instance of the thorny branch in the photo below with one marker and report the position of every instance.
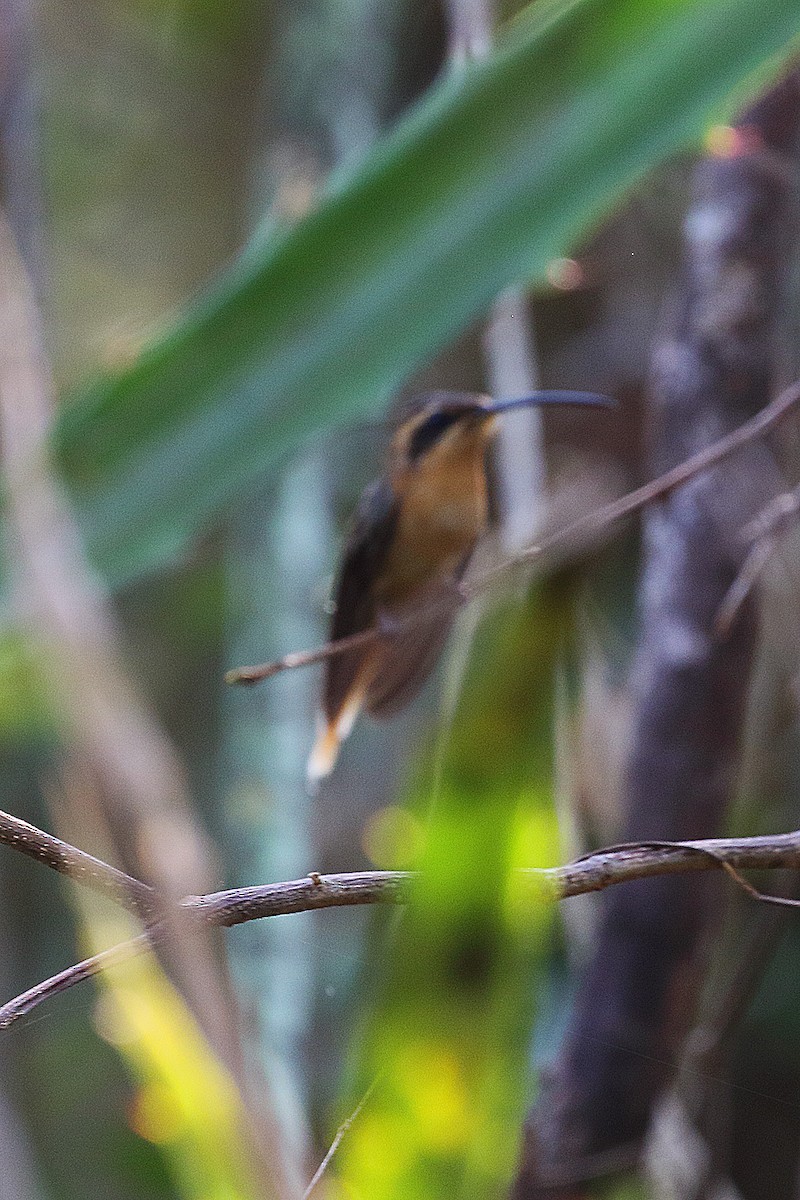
(593, 873)
(592, 523)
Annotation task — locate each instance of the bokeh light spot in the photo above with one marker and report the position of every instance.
(566, 274)
(431, 1078)
(392, 838)
(155, 1114)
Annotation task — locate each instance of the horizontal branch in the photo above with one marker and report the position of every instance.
(616, 864)
(592, 523)
(305, 658)
(238, 905)
(593, 873)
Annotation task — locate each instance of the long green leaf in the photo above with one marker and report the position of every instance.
(495, 173)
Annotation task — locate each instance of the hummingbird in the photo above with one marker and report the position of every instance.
(412, 536)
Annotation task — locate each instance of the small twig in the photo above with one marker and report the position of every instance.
(763, 532)
(340, 1133)
(592, 873)
(302, 658)
(764, 897)
(757, 558)
(130, 893)
(21, 1005)
(589, 523)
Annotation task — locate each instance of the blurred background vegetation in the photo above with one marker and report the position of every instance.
(251, 229)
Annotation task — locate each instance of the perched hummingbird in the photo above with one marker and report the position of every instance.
(412, 536)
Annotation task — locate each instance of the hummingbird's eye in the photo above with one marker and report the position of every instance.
(428, 433)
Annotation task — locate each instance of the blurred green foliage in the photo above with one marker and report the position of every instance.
(446, 1041)
(24, 711)
(184, 1101)
(495, 173)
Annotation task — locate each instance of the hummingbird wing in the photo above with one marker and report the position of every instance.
(407, 659)
(365, 553)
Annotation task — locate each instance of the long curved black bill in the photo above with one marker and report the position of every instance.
(591, 399)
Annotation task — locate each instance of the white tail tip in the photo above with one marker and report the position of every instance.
(330, 735)
(324, 753)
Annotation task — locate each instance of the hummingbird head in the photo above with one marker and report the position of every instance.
(452, 418)
(442, 417)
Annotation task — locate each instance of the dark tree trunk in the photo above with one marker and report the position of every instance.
(714, 369)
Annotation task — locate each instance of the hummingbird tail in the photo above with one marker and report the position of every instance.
(324, 753)
(330, 735)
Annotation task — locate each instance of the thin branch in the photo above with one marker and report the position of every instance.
(593, 873)
(305, 658)
(617, 864)
(589, 524)
(239, 905)
(763, 533)
(25, 1003)
(84, 868)
(344, 1128)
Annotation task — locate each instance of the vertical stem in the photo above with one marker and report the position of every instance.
(512, 370)
(509, 342)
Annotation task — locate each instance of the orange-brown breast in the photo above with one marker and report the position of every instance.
(443, 511)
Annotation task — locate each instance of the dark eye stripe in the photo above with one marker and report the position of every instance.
(429, 432)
